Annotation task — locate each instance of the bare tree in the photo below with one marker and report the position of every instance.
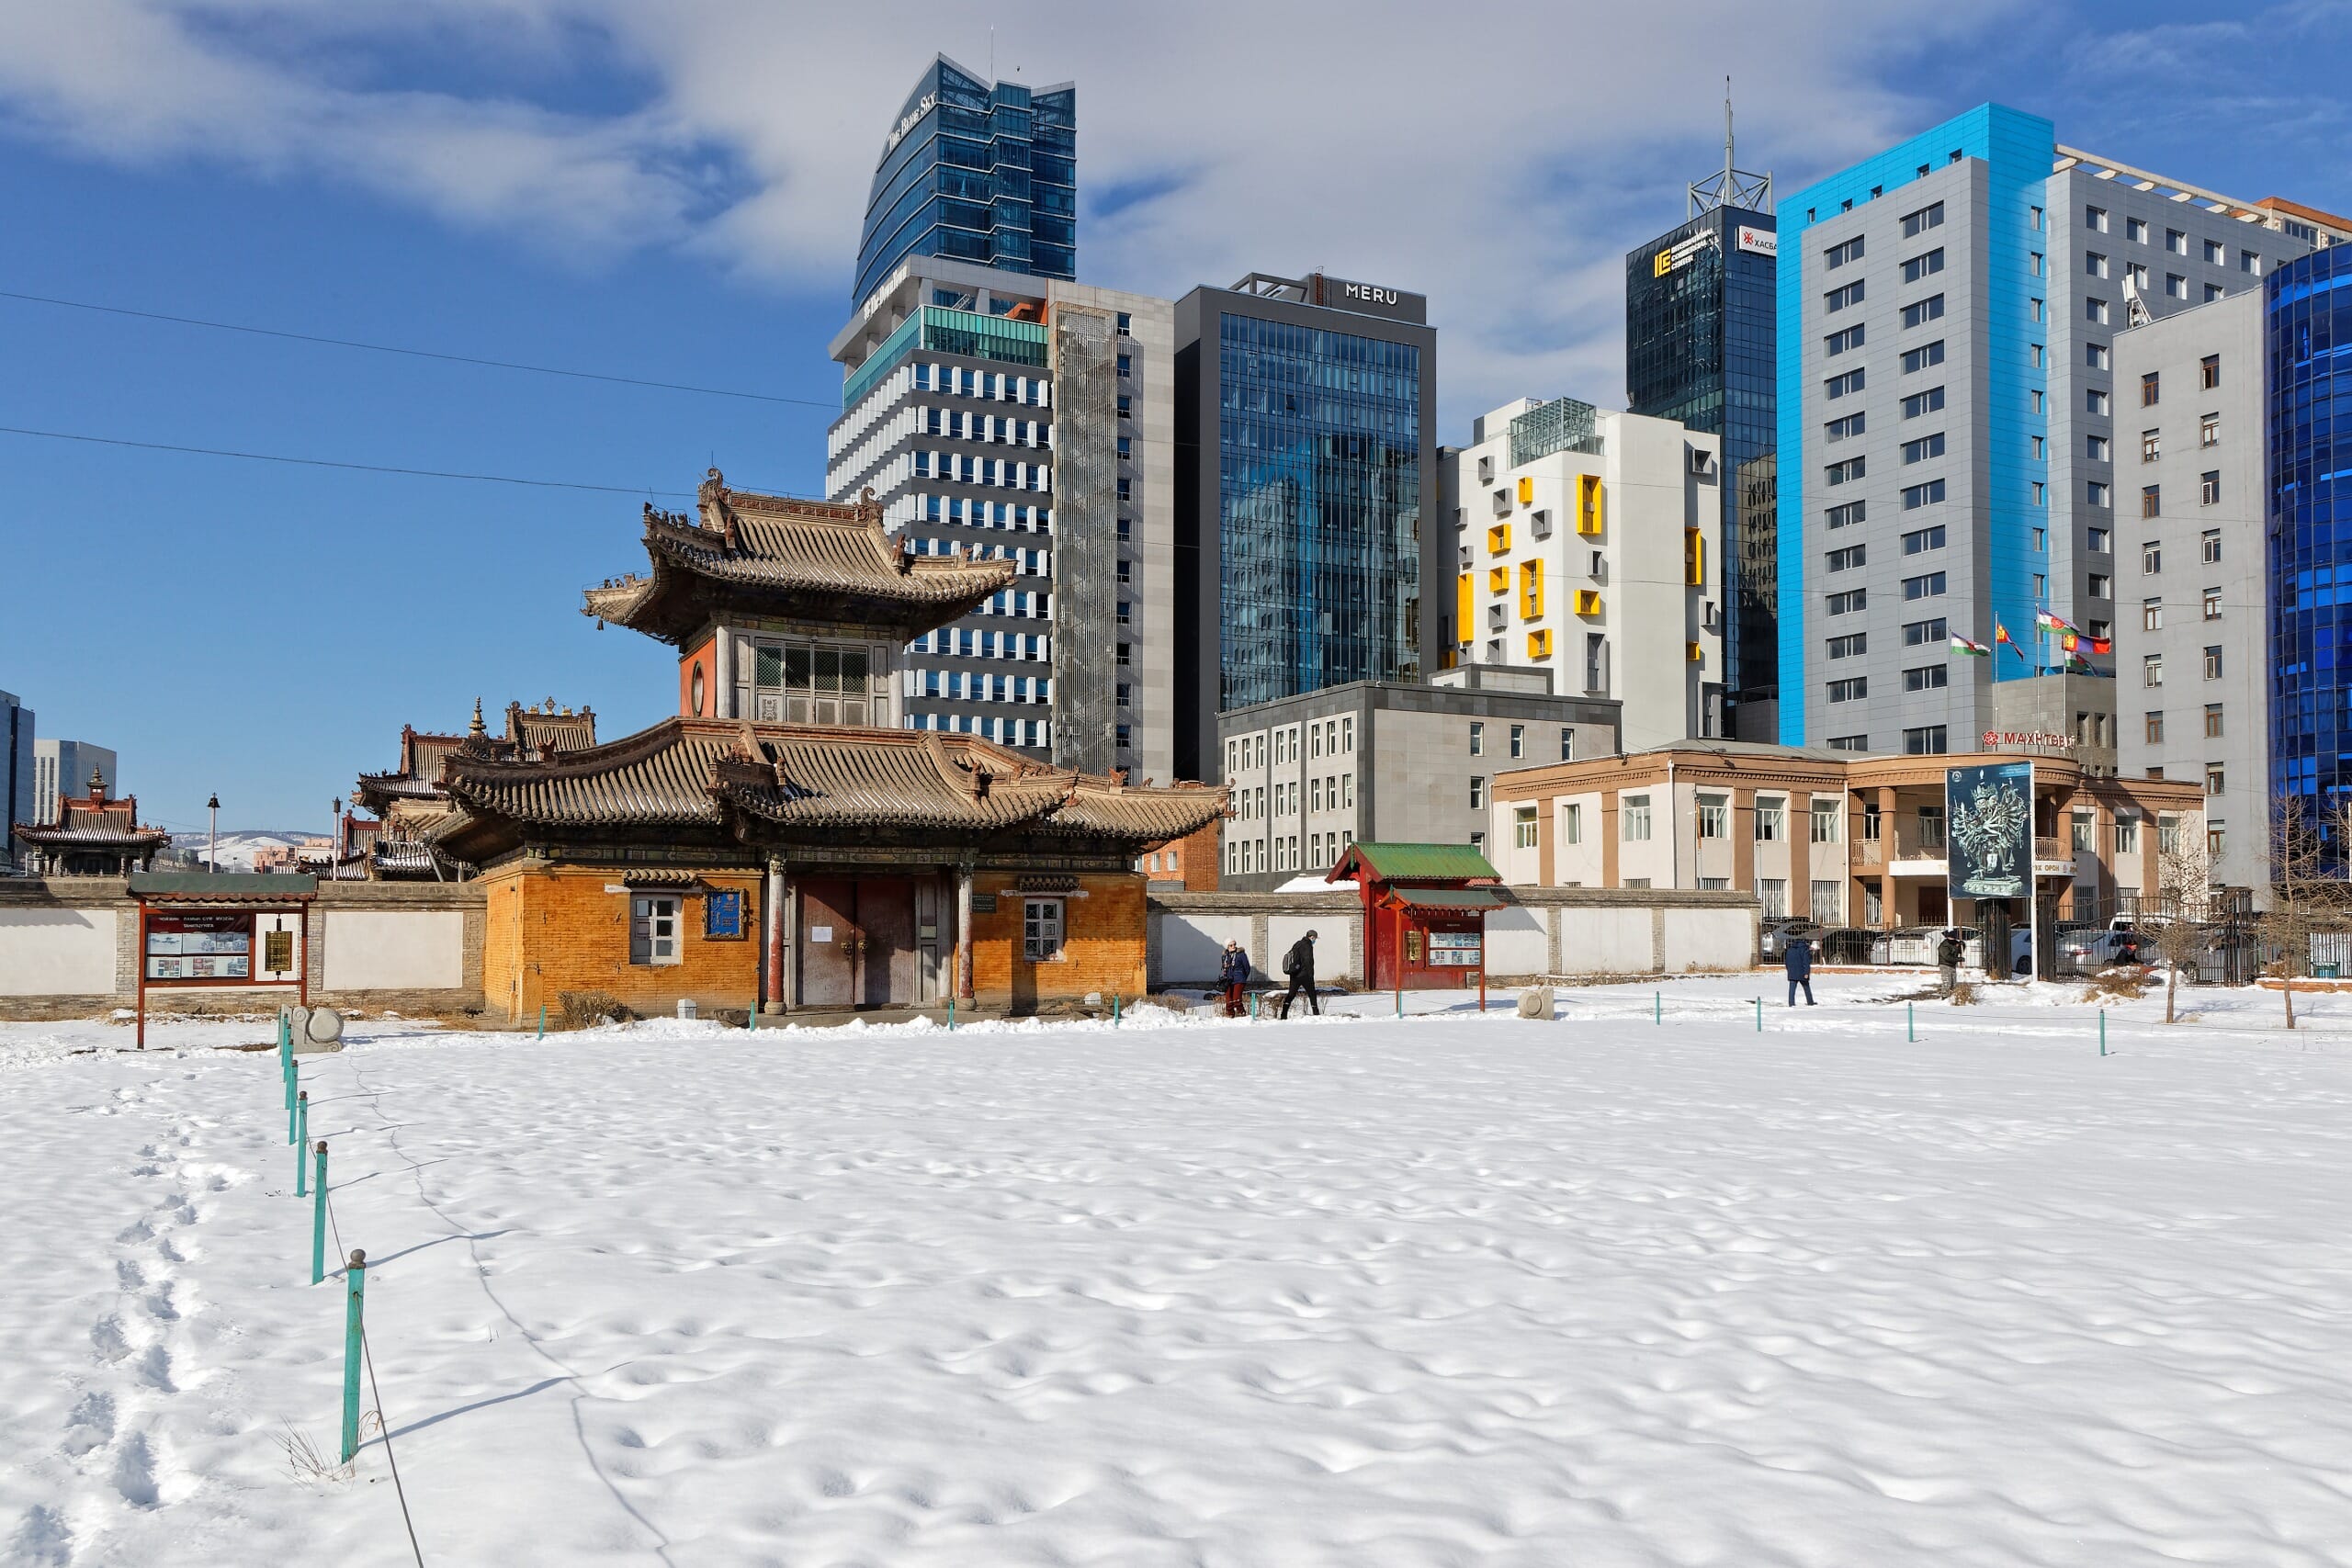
(2184, 896)
(2300, 890)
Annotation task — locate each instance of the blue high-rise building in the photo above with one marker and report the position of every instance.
(977, 172)
(2307, 325)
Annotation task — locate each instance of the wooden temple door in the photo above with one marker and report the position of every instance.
(885, 916)
(858, 942)
(826, 956)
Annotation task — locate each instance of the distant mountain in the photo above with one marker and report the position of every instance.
(237, 846)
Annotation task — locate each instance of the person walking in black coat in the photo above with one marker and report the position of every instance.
(1798, 961)
(1949, 952)
(1299, 965)
(1233, 975)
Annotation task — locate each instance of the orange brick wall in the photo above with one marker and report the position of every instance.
(550, 931)
(1102, 946)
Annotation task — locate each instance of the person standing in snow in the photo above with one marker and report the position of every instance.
(1797, 959)
(1234, 975)
(1949, 952)
(1299, 965)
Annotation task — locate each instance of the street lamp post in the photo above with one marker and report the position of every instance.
(335, 843)
(212, 834)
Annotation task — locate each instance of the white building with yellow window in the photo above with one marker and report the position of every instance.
(1582, 539)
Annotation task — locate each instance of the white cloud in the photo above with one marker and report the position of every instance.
(1500, 158)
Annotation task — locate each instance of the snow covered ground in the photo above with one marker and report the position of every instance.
(1445, 1291)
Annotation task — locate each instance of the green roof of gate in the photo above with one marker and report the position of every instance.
(1403, 863)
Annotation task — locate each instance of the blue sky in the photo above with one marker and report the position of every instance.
(674, 195)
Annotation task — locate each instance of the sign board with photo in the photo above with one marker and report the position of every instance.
(1989, 848)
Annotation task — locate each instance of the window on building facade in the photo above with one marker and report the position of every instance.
(2136, 231)
(1922, 539)
(1842, 342)
(1477, 738)
(1634, 820)
(2209, 487)
(2101, 586)
(1824, 814)
(1928, 741)
(1853, 645)
(2208, 430)
(1920, 495)
(2095, 356)
(1838, 298)
(2151, 730)
(1923, 357)
(2152, 500)
(1924, 265)
(1572, 823)
(1771, 819)
(1477, 793)
(1839, 429)
(1923, 311)
(1041, 929)
(1567, 744)
(2150, 388)
(2095, 312)
(2176, 286)
(1850, 689)
(1928, 587)
(1522, 828)
(1839, 386)
(2212, 721)
(1918, 223)
(653, 930)
(1925, 447)
(2094, 219)
(2212, 603)
(2213, 778)
(1919, 403)
(2214, 662)
(1845, 559)
(2151, 614)
(1837, 255)
(2248, 262)
(2094, 264)
(1927, 678)
(1848, 602)
(1846, 473)
(2152, 445)
(2210, 546)
(1844, 516)
(2152, 669)
(1714, 817)
(1925, 634)
(2152, 558)
(2127, 832)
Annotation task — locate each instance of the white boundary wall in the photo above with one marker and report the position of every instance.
(58, 951)
(395, 950)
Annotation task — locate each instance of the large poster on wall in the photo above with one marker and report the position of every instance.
(213, 945)
(1989, 850)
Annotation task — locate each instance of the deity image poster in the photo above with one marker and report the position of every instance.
(1990, 848)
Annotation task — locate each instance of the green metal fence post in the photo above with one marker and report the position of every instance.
(353, 1347)
(1114, 1010)
(294, 1110)
(302, 1136)
(951, 1015)
(319, 1217)
(2102, 1032)
(1658, 1007)
(1910, 1024)
(1759, 1015)
(285, 1068)
(543, 1020)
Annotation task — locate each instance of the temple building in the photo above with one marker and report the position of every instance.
(784, 841)
(92, 835)
(411, 794)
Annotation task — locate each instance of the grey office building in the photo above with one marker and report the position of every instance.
(1956, 450)
(1389, 763)
(1305, 496)
(63, 768)
(2191, 665)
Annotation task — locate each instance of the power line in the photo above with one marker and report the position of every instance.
(331, 463)
(413, 353)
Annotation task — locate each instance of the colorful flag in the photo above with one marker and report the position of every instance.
(2077, 665)
(1962, 645)
(2001, 634)
(2102, 645)
(2043, 620)
(2068, 641)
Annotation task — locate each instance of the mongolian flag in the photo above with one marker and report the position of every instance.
(1962, 645)
(2001, 635)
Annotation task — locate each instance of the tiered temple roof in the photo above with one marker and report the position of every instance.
(411, 795)
(95, 834)
(734, 782)
(765, 556)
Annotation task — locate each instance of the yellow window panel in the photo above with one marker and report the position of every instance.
(1531, 589)
(1539, 645)
(1499, 579)
(1691, 652)
(1588, 600)
(1591, 504)
(1694, 558)
(1527, 492)
(1498, 538)
(1466, 604)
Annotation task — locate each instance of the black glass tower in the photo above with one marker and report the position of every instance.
(1699, 348)
(978, 171)
(1305, 495)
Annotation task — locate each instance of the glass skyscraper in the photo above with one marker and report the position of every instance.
(977, 172)
(1699, 309)
(1307, 472)
(2307, 326)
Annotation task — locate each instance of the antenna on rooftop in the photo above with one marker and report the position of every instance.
(1735, 186)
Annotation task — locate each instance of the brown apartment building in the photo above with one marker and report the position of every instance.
(1838, 837)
